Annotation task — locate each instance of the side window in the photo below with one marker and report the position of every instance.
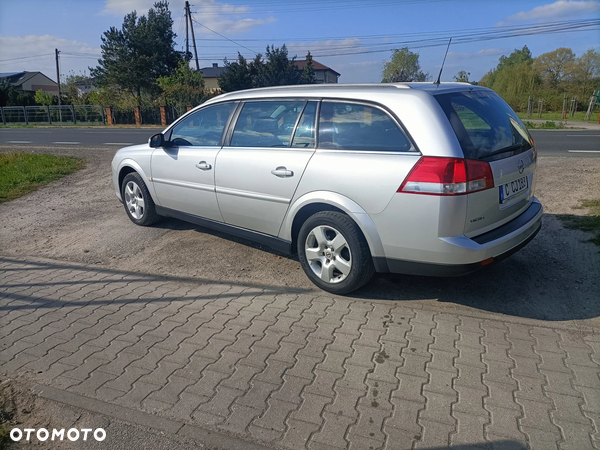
(352, 126)
(203, 128)
(266, 124)
(305, 133)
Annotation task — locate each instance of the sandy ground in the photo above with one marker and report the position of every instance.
(21, 408)
(78, 218)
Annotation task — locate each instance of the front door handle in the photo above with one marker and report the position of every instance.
(203, 165)
(282, 172)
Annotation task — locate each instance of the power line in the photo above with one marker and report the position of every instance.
(474, 35)
(316, 5)
(27, 57)
(225, 37)
(443, 33)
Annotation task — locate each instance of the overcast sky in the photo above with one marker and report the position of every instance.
(353, 37)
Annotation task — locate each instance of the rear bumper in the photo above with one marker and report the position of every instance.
(485, 249)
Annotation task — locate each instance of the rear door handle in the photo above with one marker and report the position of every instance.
(282, 172)
(203, 165)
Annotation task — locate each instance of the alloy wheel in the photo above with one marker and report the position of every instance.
(328, 254)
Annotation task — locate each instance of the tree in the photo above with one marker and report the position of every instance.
(276, 70)
(8, 93)
(43, 98)
(72, 91)
(584, 74)
(588, 65)
(514, 83)
(308, 74)
(236, 75)
(184, 87)
(556, 66)
(516, 57)
(462, 76)
(404, 66)
(135, 56)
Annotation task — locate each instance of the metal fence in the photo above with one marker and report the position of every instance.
(65, 114)
(148, 116)
(83, 114)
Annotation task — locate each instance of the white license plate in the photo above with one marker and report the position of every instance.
(513, 188)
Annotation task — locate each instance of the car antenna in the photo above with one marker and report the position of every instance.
(442, 68)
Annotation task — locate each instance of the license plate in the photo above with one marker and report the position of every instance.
(513, 188)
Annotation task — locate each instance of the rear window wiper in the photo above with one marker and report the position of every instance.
(510, 148)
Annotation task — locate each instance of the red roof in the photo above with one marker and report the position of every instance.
(300, 64)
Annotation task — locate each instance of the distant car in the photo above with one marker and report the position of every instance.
(413, 178)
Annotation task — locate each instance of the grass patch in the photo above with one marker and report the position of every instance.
(589, 223)
(4, 437)
(21, 173)
(548, 125)
(5, 418)
(558, 115)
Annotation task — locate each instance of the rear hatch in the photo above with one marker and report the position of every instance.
(489, 131)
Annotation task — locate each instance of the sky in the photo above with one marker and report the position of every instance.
(353, 37)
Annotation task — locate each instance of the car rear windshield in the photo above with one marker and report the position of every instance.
(486, 127)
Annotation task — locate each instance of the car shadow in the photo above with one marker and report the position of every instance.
(555, 278)
(168, 223)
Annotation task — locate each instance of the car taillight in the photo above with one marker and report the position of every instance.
(448, 176)
(534, 149)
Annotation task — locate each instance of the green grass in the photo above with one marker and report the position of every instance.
(21, 173)
(579, 116)
(548, 125)
(589, 223)
(4, 440)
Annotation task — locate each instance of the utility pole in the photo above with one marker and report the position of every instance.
(56, 52)
(187, 37)
(189, 15)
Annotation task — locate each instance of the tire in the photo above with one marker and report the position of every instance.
(137, 200)
(334, 253)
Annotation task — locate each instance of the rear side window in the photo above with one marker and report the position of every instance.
(353, 126)
(486, 127)
(266, 124)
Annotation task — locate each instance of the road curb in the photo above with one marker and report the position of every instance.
(135, 417)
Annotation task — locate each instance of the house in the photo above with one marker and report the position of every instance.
(323, 74)
(30, 82)
(211, 76)
(85, 86)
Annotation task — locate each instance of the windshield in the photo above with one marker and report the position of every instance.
(486, 127)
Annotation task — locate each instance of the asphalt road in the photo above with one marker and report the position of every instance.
(549, 142)
(567, 142)
(117, 137)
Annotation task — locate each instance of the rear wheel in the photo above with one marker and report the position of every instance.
(137, 200)
(333, 252)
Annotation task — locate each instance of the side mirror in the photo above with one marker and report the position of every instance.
(158, 140)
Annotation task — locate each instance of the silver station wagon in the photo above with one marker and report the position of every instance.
(412, 178)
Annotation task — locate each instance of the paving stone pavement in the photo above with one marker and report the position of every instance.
(299, 369)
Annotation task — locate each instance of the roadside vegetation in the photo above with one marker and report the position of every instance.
(22, 173)
(548, 125)
(590, 223)
(578, 117)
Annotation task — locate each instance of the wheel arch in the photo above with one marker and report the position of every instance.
(128, 166)
(313, 202)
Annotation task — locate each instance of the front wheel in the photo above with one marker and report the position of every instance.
(333, 253)
(137, 200)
